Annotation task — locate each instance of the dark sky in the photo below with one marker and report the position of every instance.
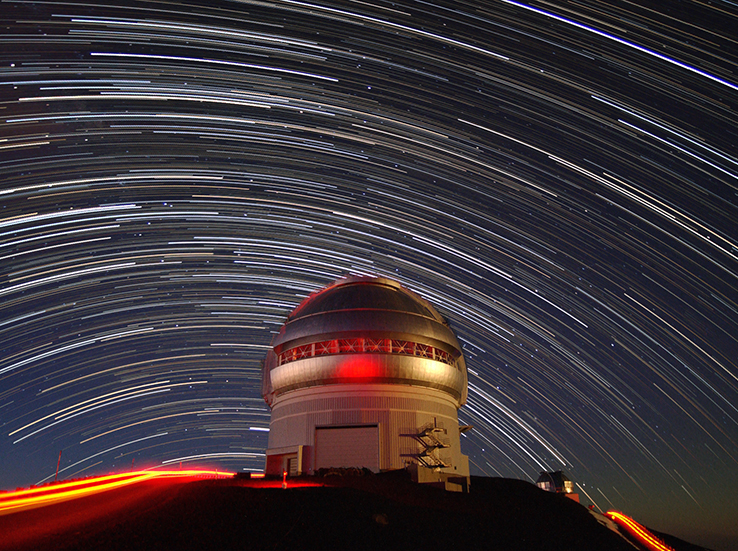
(558, 179)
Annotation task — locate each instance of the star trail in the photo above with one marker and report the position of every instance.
(558, 178)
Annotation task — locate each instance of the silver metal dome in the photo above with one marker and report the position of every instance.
(365, 330)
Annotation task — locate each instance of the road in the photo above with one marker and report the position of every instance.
(84, 507)
(639, 532)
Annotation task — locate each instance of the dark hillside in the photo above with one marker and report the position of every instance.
(356, 513)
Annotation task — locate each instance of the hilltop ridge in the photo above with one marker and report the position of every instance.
(384, 511)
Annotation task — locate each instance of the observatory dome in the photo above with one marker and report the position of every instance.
(365, 330)
(366, 374)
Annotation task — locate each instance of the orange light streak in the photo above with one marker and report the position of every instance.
(36, 497)
(639, 532)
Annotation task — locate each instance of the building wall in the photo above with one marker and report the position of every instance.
(399, 412)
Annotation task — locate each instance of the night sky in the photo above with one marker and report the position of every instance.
(558, 178)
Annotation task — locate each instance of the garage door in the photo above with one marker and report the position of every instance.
(347, 447)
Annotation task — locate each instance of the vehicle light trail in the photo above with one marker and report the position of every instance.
(641, 533)
(36, 497)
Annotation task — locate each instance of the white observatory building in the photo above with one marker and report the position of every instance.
(366, 374)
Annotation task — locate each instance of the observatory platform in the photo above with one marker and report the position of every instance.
(366, 374)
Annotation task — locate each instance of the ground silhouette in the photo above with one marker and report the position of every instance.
(370, 512)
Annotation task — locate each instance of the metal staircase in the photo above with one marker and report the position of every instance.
(427, 437)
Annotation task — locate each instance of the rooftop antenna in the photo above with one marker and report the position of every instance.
(57, 466)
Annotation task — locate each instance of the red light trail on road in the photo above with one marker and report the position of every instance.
(36, 497)
(642, 534)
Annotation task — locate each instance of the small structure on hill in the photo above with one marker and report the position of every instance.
(366, 374)
(557, 482)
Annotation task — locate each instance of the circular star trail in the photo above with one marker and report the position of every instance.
(558, 179)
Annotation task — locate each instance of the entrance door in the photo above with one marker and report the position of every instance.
(292, 466)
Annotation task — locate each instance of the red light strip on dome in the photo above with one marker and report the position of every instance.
(364, 346)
